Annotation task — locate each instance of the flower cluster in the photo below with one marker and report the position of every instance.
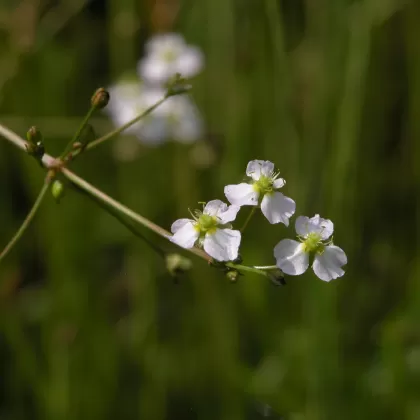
(211, 228)
(178, 117)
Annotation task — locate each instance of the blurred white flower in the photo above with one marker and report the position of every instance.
(177, 118)
(211, 229)
(276, 207)
(167, 55)
(292, 257)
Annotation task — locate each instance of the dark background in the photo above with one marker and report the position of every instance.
(91, 324)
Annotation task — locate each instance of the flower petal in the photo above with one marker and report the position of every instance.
(190, 62)
(184, 118)
(242, 194)
(305, 225)
(186, 235)
(256, 168)
(279, 183)
(229, 215)
(223, 245)
(154, 70)
(178, 224)
(278, 208)
(291, 257)
(214, 207)
(158, 44)
(327, 266)
(221, 210)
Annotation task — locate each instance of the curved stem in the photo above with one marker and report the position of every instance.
(252, 212)
(26, 222)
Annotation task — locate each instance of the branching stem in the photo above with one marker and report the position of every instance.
(116, 206)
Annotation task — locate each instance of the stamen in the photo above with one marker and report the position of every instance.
(194, 214)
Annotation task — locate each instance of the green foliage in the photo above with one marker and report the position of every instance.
(94, 327)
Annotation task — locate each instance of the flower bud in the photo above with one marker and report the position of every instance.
(277, 278)
(177, 264)
(35, 146)
(34, 136)
(57, 190)
(100, 98)
(232, 276)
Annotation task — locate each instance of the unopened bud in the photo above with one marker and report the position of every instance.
(57, 190)
(177, 264)
(277, 277)
(100, 98)
(232, 276)
(35, 146)
(34, 136)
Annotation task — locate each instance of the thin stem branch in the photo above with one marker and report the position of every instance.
(266, 267)
(26, 222)
(98, 194)
(252, 212)
(119, 130)
(247, 269)
(118, 207)
(78, 132)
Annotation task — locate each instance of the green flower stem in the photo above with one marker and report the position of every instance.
(119, 130)
(26, 222)
(247, 269)
(252, 212)
(78, 132)
(120, 209)
(266, 267)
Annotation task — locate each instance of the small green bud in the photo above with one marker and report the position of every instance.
(35, 146)
(232, 276)
(34, 136)
(100, 98)
(177, 264)
(57, 190)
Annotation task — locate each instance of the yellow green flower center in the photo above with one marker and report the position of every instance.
(169, 56)
(313, 243)
(264, 185)
(206, 223)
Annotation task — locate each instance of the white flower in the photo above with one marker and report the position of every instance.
(177, 118)
(276, 207)
(167, 55)
(183, 119)
(129, 100)
(292, 257)
(210, 229)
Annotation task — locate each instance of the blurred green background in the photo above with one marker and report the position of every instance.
(91, 324)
